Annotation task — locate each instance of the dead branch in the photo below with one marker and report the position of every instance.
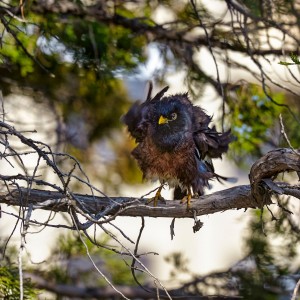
(236, 197)
(265, 170)
(232, 198)
(108, 292)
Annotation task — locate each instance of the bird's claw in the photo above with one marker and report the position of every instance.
(156, 198)
(187, 199)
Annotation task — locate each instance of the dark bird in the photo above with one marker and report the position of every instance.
(175, 142)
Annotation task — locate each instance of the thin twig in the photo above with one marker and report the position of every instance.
(132, 267)
(20, 267)
(209, 44)
(137, 260)
(295, 292)
(285, 135)
(94, 264)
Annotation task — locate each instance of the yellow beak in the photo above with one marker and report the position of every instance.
(162, 120)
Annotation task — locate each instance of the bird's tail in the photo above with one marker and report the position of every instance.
(221, 178)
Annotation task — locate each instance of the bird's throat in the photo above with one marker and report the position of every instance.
(167, 142)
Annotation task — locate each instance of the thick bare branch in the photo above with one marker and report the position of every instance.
(258, 194)
(266, 169)
(237, 197)
(233, 198)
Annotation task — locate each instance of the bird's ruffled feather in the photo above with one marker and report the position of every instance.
(176, 152)
(139, 116)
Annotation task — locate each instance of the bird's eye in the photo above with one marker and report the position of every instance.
(173, 116)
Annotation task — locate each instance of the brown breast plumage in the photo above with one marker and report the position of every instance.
(177, 167)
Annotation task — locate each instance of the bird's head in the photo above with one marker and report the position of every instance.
(172, 122)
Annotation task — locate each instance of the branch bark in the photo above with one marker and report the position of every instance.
(266, 169)
(233, 198)
(257, 194)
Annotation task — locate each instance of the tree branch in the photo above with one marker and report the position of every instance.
(257, 194)
(108, 292)
(155, 31)
(232, 198)
(266, 169)
(236, 197)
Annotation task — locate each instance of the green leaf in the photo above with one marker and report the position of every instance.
(295, 59)
(286, 63)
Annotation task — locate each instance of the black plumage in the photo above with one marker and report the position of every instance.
(175, 142)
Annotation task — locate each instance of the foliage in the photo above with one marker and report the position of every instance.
(253, 116)
(10, 285)
(9, 277)
(294, 58)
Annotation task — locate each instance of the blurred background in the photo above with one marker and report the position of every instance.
(70, 69)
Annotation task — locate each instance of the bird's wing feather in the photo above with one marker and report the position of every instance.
(138, 118)
(208, 141)
(159, 95)
(149, 91)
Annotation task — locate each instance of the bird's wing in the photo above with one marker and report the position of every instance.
(139, 116)
(208, 141)
(136, 120)
(209, 144)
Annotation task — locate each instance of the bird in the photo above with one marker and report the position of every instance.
(175, 143)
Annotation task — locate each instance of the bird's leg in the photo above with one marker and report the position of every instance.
(187, 198)
(157, 197)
